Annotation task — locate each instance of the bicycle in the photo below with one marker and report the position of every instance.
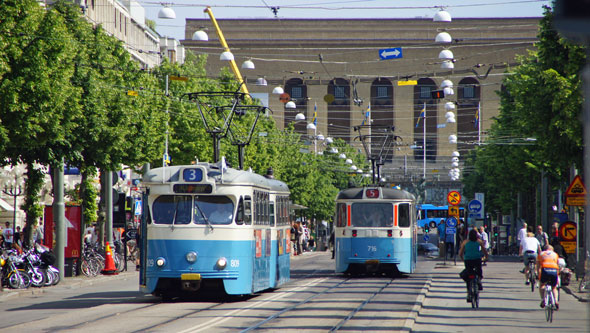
(532, 275)
(473, 288)
(549, 303)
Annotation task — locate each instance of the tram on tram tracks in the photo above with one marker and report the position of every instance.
(375, 231)
(209, 227)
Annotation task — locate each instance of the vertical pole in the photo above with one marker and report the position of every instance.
(165, 158)
(109, 208)
(544, 207)
(586, 119)
(424, 145)
(17, 192)
(479, 123)
(59, 216)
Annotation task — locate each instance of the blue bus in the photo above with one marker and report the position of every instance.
(431, 215)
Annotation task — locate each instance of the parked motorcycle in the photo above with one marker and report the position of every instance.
(12, 276)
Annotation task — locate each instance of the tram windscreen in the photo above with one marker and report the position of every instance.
(172, 209)
(215, 209)
(182, 209)
(371, 214)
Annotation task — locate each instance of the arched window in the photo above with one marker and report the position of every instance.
(468, 114)
(425, 108)
(382, 111)
(339, 109)
(297, 90)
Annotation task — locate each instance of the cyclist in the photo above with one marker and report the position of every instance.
(548, 271)
(472, 251)
(529, 248)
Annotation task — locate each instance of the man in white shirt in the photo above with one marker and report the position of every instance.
(529, 248)
(521, 233)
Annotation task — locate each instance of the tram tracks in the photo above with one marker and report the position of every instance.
(345, 319)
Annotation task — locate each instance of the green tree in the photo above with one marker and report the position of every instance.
(37, 102)
(541, 101)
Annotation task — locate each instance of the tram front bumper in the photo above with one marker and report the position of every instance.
(190, 281)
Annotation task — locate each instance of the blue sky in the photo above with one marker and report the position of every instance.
(335, 9)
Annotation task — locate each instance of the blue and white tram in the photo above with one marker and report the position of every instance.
(375, 231)
(210, 227)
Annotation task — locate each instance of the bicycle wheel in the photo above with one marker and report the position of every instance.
(474, 290)
(548, 306)
(532, 280)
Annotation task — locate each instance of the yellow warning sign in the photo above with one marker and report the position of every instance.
(576, 188)
(576, 193)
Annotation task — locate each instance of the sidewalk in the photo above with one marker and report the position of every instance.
(506, 303)
(69, 283)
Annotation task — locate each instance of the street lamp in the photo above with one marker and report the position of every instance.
(14, 189)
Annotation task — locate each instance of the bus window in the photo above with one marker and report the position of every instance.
(403, 215)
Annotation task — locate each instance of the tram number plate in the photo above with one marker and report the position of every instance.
(190, 276)
(372, 262)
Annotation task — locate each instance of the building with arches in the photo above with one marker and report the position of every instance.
(334, 66)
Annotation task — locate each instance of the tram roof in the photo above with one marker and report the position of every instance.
(172, 173)
(387, 193)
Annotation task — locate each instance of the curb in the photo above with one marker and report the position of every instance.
(66, 283)
(575, 295)
(411, 320)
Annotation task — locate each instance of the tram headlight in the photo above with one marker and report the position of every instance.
(221, 263)
(191, 257)
(160, 262)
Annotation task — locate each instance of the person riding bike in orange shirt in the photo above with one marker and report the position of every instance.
(548, 271)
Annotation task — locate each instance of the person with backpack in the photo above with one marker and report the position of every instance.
(541, 236)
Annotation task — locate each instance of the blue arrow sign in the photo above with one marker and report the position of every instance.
(393, 53)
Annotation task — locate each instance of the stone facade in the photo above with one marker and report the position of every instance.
(334, 64)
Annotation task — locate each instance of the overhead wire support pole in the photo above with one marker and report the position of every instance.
(232, 62)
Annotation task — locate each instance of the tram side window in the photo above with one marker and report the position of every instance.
(272, 214)
(341, 216)
(172, 209)
(403, 215)
(244, 213)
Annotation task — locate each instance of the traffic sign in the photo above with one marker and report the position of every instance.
(568, 231)
(475, 208)
(138, 207)
(575, 195)
(453, 211)
(393, 53)
(454, 198)
(451, 230)
(569, 246)
(426, 238)
(451, 222)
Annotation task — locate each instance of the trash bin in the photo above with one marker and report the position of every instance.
(71, 267)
